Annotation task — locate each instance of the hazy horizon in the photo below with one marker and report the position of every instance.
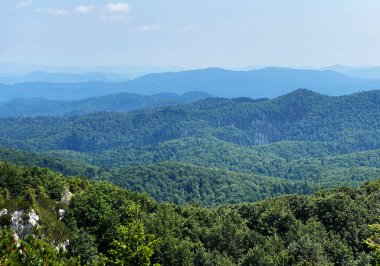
(18, 69)
(196, 34)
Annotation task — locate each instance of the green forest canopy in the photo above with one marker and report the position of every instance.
(103, 221)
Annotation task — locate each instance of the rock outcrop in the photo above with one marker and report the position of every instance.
(66, 197)
(22, 222)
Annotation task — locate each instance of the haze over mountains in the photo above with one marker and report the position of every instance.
(40, 76)
(195, 133)
(16, 73)
(253, 125)
(364, 72)
(179, 155)
(267, 82)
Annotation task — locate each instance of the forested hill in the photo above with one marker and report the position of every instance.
(212, 151)
(213, 173)
(47, 219)
(351, 122)
(208, 153)
(116, 102)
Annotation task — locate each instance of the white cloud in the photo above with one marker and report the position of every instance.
(148, 28)
(83, 9)
(116, 12)
(187, 28)
(24, 4)
(58, 12)
(118, 8)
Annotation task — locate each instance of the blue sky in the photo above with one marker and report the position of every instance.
(197, 33)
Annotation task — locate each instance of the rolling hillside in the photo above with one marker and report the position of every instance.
(302, 140)
(89, 226)
(117, 102)
(351, 122)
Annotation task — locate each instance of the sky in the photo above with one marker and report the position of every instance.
(192, 34)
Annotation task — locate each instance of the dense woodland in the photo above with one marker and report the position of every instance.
(109, 225)
(287, 181)
(350, 122)
(297, 143)
(120, 102)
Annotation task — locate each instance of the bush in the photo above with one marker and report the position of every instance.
(5, 220)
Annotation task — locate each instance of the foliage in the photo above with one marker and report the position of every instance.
(373, 241)
(104, 223)
(303, 140)
(235, 156)
(350, 122)
(182, 183)
(114, 102)
(132, 245)
(29, 251)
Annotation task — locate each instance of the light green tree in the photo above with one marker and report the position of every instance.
(133, 246)
(30, 251)
(373, 242)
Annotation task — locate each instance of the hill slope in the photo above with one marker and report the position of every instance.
(117, 102)
(349, 121)
(104, 222)
(296, 138)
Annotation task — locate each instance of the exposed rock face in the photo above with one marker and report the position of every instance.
(64, 246)
(66, 197)
(61, 213)
(16, 239)
(23, 223)
(3, 212)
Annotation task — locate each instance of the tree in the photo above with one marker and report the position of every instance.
(373, 242)
(133, 246)
(29, 251)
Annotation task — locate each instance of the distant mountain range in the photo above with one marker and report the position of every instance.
(115, 102)
(370, 72)
(365, 73)
(131, 71)
(267, 82)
